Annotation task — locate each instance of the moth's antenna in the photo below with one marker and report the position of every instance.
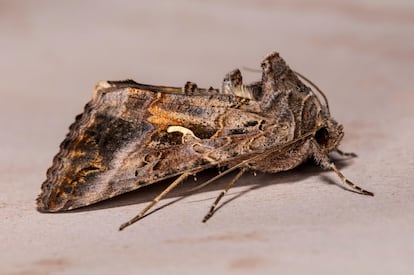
(316, 87)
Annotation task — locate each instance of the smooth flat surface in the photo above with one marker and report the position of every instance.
(359, 52)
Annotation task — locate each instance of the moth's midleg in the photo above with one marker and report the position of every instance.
(155, 200)
(222, 193)
(350, 183)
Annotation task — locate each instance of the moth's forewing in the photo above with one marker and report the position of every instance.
(121, 142)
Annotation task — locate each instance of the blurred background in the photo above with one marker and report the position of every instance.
(361, 53)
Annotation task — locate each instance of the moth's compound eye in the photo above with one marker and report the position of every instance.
(322, 136)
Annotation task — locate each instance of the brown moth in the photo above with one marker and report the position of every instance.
(131, 135)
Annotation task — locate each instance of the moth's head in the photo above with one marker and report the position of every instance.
(329, 135)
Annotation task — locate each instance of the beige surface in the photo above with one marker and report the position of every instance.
(359, 52)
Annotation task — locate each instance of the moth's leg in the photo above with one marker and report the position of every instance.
(346, 154)
(223, 192)
(323, 160)
(350, 183)
(154, 201)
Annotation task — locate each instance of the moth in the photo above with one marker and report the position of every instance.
(131, 135)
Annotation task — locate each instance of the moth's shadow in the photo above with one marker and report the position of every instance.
(148, 193)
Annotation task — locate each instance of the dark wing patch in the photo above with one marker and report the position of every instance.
(121, 143)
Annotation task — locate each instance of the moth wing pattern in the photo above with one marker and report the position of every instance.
(131, 135)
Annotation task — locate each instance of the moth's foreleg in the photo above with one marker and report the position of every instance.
(155, 200)
(350, 183)
(323, 159)
(345, 154)
(222, 193)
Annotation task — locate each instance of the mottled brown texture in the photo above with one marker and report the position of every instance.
(362, 58)
(131, 135)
